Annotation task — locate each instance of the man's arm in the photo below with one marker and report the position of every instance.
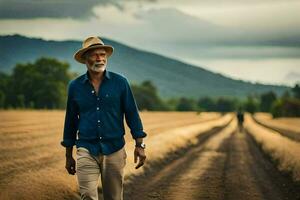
(69, 152)
(70, 131)
(132, 116)
(138, 140)
(134, 122)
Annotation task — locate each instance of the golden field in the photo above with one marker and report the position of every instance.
(285, 123)
(32, 159)
(283, 150)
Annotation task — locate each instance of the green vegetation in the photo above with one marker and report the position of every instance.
(147, 98)
(43, 85)
(287, 105)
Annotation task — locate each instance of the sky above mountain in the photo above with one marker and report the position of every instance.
(256, 40)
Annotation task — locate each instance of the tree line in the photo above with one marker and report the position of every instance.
(43, 85)
(39, 85)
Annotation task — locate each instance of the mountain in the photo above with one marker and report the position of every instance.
(173, 78)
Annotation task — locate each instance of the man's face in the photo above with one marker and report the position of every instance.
(96, 60)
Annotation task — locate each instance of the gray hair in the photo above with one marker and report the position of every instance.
(86, 55)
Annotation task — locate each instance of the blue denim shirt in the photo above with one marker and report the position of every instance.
(96, 121)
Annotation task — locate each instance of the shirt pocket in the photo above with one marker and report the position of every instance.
(111, 103)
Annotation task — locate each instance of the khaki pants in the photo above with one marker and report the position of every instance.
(111, 169)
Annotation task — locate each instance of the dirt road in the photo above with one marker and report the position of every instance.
(225, 165)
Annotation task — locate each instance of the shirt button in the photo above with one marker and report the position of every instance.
(97, 108)
(100, 138)
(98, 99)
(93, 91)
(98, 120)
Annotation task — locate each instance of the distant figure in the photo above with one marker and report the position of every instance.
(96, 105)
(240, 118)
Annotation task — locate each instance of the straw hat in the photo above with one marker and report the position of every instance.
(92, 43)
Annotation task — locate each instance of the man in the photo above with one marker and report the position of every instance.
(240, 118)
(96, 104)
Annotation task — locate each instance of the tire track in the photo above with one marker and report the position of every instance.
(162, 184)
(227, 165)
(277, 182)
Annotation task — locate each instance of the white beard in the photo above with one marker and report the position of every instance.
(97, 68)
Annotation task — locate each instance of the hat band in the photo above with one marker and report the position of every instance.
(95, 45)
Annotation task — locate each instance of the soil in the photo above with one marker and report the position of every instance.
(221, 166)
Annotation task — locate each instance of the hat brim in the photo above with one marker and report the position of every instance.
(78, 55)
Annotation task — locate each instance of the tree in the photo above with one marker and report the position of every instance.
(2, 99)
(296, 91)
(251, 105)
(266, 101)
(147, 97)
(225, 105)
(286, 95)
(3, 89)
(186, 104)
(206, 104)
(286, 107)
(41, 84)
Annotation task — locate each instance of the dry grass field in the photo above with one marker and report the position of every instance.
(32, 160)
(288, 123)
(288, 127)
(201, 154)
(283, 150)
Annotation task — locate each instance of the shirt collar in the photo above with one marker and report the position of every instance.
(86, 76)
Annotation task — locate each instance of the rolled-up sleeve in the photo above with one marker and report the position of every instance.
(132, 117)
(71, 119)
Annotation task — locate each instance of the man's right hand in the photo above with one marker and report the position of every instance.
(70, 165)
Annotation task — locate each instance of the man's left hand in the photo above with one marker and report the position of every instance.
(139, 153)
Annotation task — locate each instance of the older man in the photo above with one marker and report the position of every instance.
(96, 104)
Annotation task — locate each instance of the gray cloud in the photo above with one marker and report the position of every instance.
(171, 26)
(172, 32)
(224, 2)
(28, 9)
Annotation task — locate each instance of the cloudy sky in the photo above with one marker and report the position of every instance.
(257, 40)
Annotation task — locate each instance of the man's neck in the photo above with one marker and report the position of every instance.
(96, 76)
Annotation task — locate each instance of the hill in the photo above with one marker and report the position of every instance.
(173, 78)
